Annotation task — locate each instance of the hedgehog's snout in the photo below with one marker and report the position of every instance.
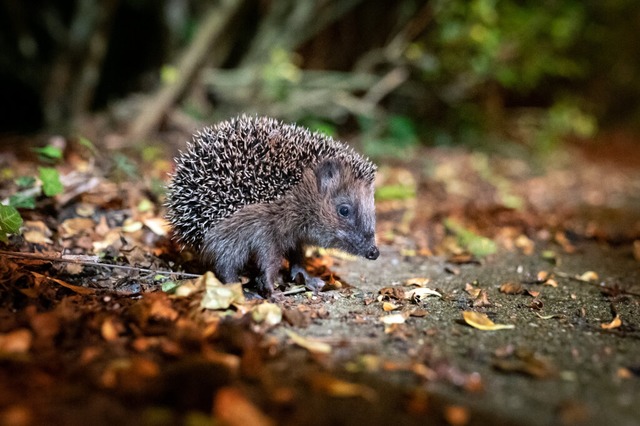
(373, 253)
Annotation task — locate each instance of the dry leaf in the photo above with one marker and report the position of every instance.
(313, 346)
(421, 293)
(157, 225)
(73, 268)
(532, 293)
(615, 323)
(511, 288)
(131, 225)
(526, 362)
(392, 292)
(482, 299)
(231, 407)
(161, 307)
(102, 228)
(418, 282)
(387, 306)
(109, 330)
(588, 276)
(393, 319)
(564, 242)
(186, 288)
(525, 244)
(36, 232)
(76, 225)
(16, 341)
(419, 312)
(536, 304)
(543, 276)
(456, 415)
(75, 288)
(335, 387)
(85, 209)
(267, 313)
(624, 373)
(471, 290)
(218, 295)
(551, 282)
(482, 322)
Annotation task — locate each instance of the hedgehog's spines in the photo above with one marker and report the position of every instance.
(242, 161)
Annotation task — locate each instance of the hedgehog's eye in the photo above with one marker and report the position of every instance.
(344, 210)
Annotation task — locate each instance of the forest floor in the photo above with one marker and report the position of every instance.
(507, 292)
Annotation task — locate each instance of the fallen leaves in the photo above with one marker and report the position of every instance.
(232, 407)
(393, 322)
(39, 278)
(615, 323)
(15, 342)
(393, 319)
(525, 362)
(269, 314)
(456, 415)
(218, 295)
(36, 232)
(419, 294)
(312, 345)
(387, 306)
(588, 276)
(512, 288)
(482, 322)
(338, 388)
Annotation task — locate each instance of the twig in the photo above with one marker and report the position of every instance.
(599, 285)
(37, 256)
(211, 28)
(295, 290)
(85, 85)
(386, 85)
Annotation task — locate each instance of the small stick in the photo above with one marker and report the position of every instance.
(601, 285)
(295, 290)
(93, 263)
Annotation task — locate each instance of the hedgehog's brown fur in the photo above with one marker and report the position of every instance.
(252, 190)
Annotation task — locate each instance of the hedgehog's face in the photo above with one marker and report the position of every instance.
(347, 211)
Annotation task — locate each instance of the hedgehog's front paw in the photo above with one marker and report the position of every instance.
(314, 284)
(264, 287)
(299, 275)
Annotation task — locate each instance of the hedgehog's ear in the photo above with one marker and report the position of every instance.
(328, 175)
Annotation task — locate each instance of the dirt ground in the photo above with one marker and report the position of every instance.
(557, 339)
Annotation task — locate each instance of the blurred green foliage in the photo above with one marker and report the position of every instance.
(514, 43)
(394, 137)
(436, 71)
(483, 57)
(50, 178)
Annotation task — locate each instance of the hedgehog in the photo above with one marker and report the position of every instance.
(251, 191)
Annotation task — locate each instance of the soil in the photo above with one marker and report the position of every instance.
(90, 344)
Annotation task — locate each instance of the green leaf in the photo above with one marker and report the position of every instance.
(25, 181)
(475, 244)
(87, 144)
(22, 201)
(49, 152)
(169, 286)
(51, 184)
(396, 192)
(10, 221)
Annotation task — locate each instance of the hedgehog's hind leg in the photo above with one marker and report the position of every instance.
(296, 265)
(228, 274)
(268, 265)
